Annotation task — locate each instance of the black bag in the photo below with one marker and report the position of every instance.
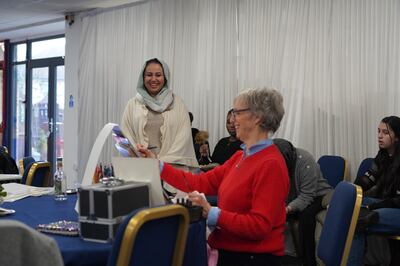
(7, 163)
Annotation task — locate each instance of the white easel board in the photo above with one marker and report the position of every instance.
(141, 170)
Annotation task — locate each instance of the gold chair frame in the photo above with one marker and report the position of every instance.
(138, 220)
(352, 227)
(21, 166)
(32, 170)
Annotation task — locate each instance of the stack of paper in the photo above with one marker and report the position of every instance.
(16, 191)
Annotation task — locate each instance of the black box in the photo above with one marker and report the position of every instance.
(102, 208)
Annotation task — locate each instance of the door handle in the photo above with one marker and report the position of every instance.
(51, 126)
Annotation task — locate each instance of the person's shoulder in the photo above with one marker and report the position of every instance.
(237, 143)
(237, 154)
(223, 140)
(272, 153)
(134, 101)
(178, 105)
(272, 159)
(132, 106)
(306, 161)
(303, 154)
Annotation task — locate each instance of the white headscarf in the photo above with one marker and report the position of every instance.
(163, 99)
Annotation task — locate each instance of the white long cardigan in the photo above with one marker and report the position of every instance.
(176, 137)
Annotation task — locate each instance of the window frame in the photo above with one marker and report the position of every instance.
(29, 65)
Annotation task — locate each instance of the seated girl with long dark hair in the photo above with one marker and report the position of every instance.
(381, 189)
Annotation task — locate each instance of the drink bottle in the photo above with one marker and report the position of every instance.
(60, 183)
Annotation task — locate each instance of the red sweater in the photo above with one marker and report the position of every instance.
(251, 196)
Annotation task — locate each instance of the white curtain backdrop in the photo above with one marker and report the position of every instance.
(336, 62)
(198, 41)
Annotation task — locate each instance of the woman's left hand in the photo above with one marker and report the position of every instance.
(200, 200)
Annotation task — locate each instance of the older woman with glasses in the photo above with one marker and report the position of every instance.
(252, 186)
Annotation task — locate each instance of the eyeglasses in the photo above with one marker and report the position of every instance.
(235, 112)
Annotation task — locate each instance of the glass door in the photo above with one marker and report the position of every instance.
(59, 113)
(47, 113)
(37, 99)
(40, 120)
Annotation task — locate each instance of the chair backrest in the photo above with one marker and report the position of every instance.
(364, 166)
(152, 236)
(334, 168)
(24, 163)
(22, 245)
(37, 174)
(340, 223)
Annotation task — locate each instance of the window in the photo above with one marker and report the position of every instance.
(19, 52)
(2, 51)
(38, 86)
(19, 77)
(40, 49)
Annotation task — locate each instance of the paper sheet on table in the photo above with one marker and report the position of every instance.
(141, 170)
(16, 191)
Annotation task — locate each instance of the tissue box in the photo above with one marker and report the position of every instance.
(102, 208)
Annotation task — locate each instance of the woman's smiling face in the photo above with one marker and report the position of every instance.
(153, 79)
(243, 120)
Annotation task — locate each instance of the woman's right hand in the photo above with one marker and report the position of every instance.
(200, 200)
(144, 152)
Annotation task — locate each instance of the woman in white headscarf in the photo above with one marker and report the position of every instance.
(158, 119)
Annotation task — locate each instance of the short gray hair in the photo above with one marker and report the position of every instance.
(265, 103)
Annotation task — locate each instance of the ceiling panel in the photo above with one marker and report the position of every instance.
(17, 16)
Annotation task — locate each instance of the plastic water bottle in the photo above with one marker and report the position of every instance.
(60, 183)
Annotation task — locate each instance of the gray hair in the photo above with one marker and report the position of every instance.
(265, 103)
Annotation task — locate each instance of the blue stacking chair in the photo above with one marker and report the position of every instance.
(340, 223)
(35, 173)
(364, 166)
(24, 163)
(152, 236)
(334, 168)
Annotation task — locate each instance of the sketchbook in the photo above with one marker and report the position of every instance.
(123, 145)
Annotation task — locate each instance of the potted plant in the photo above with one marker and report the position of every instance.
(3, 193)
